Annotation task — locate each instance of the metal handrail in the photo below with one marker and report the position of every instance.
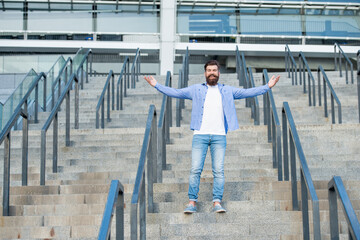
(182, 83)
(165, 122)
(307, 185)
(135, 68)
(58, 80)
(289, 60)
(115, 202)
(246, 80)
(86, 57)
(337, 189)
(238, 69)
(122, 84)
(326, 83)
(303, 65)
(5, 136)
(338, 63)
(254, 102)
(149, 153)
(243, 73)
(271, 119)
(243, 78)
(101, 102)
(53, 118)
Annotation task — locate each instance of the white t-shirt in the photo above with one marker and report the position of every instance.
(213, 115)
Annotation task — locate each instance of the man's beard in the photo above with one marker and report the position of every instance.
(212, 81)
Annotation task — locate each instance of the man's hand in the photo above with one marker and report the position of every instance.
(151, 80)
(273, 81)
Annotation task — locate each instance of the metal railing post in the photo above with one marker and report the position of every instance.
(36, 103)
(120, 217)
(103, 113)
(340, 64)
(333, 212)
(25, 138)
(304, 208)
(335, 60)
(169, 104)
(82, 76)
(121, 88)
(55, 141)
(91, 61)
(133, 221)
(152, 164)
(6, 180)
(285, 147)
(67, 130)
(97, 124)
(113, 91)
(278, 152)
(87, 69)
(43, 157)
(293, 173)
(178, 102)
(44, 94)
(77, 106)
(273, 140)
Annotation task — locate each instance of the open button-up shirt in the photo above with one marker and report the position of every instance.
(197, 94)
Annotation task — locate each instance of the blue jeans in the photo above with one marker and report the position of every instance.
(200, 144)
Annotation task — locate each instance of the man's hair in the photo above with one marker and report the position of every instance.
(211, 63)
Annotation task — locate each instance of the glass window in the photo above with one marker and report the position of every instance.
(11, 21)
(207, 24)
(340, 26)
(206, 20)
(127, 18)
(13, 5)
(82, 7)
(38, 6)
(60, 21)
(127, 22)
(270, 24)
(60, 6)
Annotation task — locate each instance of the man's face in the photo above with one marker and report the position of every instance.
(212, 75)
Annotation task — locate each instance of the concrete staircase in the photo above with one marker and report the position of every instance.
(259, 207)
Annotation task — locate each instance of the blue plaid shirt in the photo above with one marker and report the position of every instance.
(197, 94)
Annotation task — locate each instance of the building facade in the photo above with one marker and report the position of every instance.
(163, 29)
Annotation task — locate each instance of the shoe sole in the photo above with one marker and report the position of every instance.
(220, 211)
(189, 212)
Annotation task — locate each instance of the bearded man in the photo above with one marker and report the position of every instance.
(213, 115)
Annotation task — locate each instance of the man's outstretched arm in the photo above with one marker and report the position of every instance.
(184, 93)
(240, 93)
